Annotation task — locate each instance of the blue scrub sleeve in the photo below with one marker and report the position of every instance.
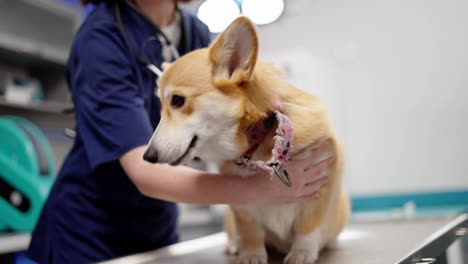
(110, 109)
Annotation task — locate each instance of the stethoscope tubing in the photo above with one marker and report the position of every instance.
(140, 58)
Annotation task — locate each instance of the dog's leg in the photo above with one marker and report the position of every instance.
(231, 232)
(307, 234)
(316, 221)
(251, 240)
(340, 220)
(305, 248)
(311, 233)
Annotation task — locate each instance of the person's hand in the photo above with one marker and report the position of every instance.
(307, 175)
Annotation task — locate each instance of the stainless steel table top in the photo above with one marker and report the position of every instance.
(363, 243)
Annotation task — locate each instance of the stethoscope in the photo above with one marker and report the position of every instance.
(139, 57)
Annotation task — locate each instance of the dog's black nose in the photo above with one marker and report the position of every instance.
(150, 155)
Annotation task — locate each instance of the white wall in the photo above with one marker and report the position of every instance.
(394, 74)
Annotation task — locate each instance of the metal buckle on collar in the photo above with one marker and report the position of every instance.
(284, 177)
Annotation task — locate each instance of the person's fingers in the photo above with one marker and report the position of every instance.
(317, 180)
(303, 177)
(313, 196)
(316, 185)
(312, 152)
(313, 193)
(317, 168)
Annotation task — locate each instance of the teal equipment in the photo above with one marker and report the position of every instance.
(27, 172)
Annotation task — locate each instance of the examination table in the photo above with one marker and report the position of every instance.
(419, 241)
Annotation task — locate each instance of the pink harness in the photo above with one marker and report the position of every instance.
(281, 151)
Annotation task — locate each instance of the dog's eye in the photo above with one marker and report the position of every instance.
(177, 101)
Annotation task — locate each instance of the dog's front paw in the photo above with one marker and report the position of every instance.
(301, 256)
(252, 257)
(305, 249)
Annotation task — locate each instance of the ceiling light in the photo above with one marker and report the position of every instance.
(262, 12)
(218, 14)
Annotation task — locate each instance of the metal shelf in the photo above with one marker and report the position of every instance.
(36, 32)
(15, 48)
(51, 107)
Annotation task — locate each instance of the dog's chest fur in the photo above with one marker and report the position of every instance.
(277, 220)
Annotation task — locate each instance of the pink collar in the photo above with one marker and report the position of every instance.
(281, 151)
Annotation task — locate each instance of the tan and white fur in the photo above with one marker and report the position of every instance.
(209, 97)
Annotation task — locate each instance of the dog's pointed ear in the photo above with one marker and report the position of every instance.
(234, 53)
(165, 66)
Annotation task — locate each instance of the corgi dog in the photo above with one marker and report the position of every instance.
(210, 98)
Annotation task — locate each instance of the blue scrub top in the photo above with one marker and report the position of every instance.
(94, 212)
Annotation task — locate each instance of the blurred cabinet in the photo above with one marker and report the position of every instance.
(35, 39)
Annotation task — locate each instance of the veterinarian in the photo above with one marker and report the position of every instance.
(107, 201)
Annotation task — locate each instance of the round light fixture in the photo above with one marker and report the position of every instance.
(218, 14)
(262, 12)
